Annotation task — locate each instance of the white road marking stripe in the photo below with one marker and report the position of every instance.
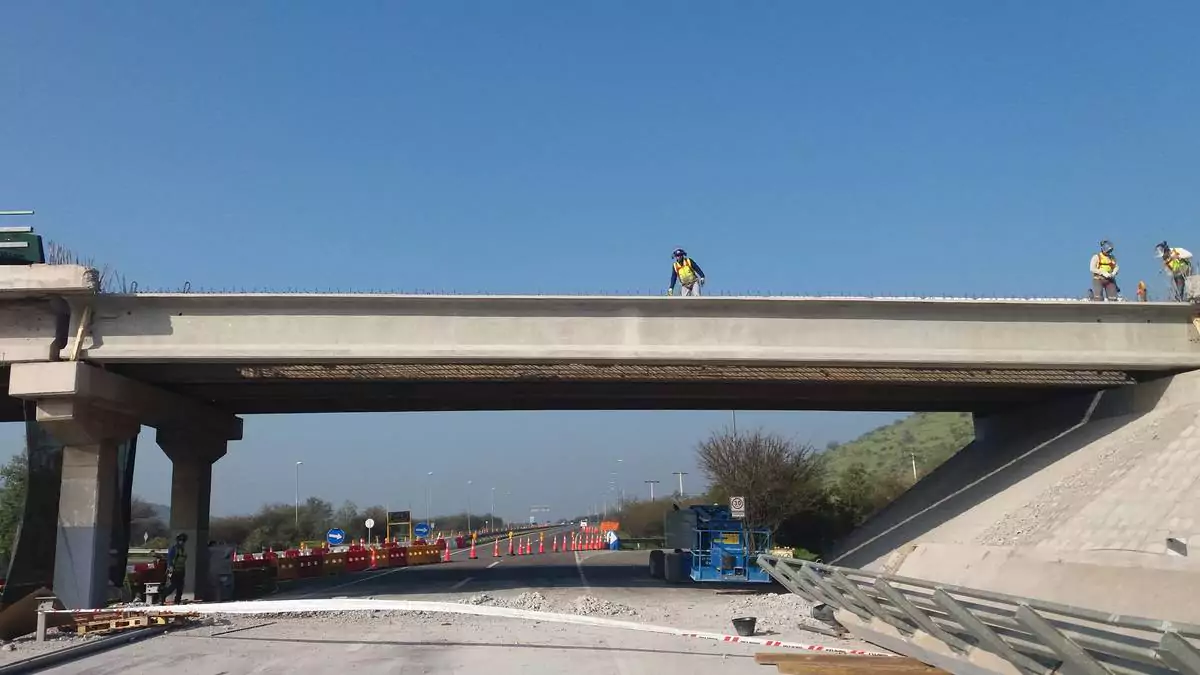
(579, 566)
(494, 564)
(462, 583)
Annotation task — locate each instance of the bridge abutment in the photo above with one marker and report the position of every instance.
(1071, 502)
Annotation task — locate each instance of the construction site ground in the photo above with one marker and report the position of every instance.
(606, 584)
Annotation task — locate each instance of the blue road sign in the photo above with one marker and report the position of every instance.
(421, 530)
(335, 537)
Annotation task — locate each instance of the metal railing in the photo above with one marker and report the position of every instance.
(1033, 635)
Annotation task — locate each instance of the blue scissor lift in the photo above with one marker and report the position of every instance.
(719, 547)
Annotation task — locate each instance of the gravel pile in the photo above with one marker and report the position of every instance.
(775, 611)
(529, 600)
(586, 605)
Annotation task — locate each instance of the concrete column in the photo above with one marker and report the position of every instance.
(192, 457)
(87, 501)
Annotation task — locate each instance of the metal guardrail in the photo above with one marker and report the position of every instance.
(1035, 636)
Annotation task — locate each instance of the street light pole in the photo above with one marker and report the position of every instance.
(681, 474)
(652, 483)
(298, 496)
(492, 513)
(428, 489)
(468, 507)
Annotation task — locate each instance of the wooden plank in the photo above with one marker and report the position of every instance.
(792, 663)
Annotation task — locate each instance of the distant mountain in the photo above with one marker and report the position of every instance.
(931, 437)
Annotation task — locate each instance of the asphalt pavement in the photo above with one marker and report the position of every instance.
(424, 642)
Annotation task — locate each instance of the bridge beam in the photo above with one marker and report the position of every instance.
(75, 381)
(341, 329)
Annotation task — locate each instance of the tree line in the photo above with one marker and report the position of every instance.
(274, 526)
(790, 488)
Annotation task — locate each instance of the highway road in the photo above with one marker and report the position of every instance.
(583, 570)
(605, 584)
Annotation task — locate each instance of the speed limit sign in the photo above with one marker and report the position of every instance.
(737, 507)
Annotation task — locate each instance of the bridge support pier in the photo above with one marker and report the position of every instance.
(88, 498)
(93, 411)
(192, 458)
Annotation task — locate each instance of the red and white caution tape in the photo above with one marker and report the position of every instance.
(363, 605)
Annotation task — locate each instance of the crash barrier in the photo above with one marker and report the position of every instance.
(1033, 636)
(257, 574)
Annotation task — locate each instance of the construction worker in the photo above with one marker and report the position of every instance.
(687, 273)
(1177, 262)
(1104, 270)
(176, 568)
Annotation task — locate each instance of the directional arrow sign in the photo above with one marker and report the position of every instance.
(335, 537)
(421, 530)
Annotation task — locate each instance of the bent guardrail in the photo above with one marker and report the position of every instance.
(1034, 636)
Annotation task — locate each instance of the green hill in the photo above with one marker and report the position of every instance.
(932, 437)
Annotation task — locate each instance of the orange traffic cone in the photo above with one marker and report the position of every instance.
(510, 546)
(554, 544)
(541, 546)
(496, 549)
(373, 561)
(446, 553)
(472, 555)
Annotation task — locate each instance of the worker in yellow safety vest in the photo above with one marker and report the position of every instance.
(1178, 262)
(687, 273)
(1104, 270)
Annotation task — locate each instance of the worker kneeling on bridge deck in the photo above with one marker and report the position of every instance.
(687, 273)
(1104, 274)
(1178, 262)
(176, 568)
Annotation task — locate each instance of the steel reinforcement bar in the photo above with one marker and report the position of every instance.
(1033, 636)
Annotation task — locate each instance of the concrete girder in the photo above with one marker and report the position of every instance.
(62, 387)
(327, 329)
(31, 281)
(32, 329)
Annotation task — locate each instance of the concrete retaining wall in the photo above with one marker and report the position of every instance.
(1062, 503)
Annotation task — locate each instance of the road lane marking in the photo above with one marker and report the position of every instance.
(462, 583)
(579, 566)
(494, 564)
(323, 591)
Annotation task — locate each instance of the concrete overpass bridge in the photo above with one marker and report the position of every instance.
(93, 368)
(341, 353)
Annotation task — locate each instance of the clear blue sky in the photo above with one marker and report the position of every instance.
(544, 147)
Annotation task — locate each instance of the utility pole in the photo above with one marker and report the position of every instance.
(681, 474)
(297, 497)
(652, 483)
(468, 507)
(492, 513)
